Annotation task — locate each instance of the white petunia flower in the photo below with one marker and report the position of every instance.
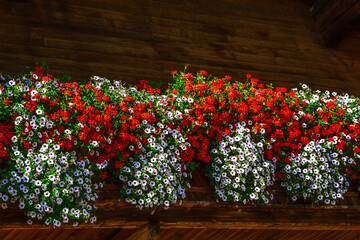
(39, 111)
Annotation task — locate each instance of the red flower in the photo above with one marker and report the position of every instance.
(129, 99)
(269, 104)
(330, 104)
(106, 98)
(227, 77)
(103, 175)
(305, 140)
(188, 155)
(254, 81)
(67, 93)
(341, 145)
(281, 89)
(356, 149)
(26, 144)
(340, 112)
(188, 89)
(188, 76)
(119, 164)
(173, 72)
(279, 133)
(203, 73)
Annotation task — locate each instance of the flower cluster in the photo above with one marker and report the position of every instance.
(287, 120)
(47, 183)
(155, 176)
(105, 124)
(314, 173)
(239, 170)
(45, 179)
(53, 133)
(6, 133)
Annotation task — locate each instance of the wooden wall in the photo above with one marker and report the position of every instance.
(348, 51)
(273, 40)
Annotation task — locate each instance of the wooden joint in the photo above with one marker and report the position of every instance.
(154, 227)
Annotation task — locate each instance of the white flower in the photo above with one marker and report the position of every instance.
(39, 112)
(33, 92)
(38, 183)
(235, 168)
(320, 166)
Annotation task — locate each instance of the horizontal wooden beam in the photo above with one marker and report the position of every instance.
(202, 210)
(211, 215)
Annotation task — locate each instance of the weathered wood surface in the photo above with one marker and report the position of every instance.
(179, 233)
(272, 40)
(335, 19)
(202, 210)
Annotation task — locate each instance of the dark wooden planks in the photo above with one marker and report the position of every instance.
(200, 210)
(348, 51)
(330, 12)
(186, 233)
(134, 40)
(156, 49)
(250, 62)
(62, 234)
(220, 42)
(254, 235)
(206, 216)
(335, 19)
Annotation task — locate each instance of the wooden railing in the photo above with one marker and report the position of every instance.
(201, 210)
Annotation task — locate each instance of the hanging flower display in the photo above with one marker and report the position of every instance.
(47, 180)
(314, 173)
(239, 171)
(60, 140)
(156, 176)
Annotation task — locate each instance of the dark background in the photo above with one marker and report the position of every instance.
(274, 40)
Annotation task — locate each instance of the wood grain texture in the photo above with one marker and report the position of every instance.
(274, 40)
(181, 234)
(334, 20)
(201, 210)
(130, 41)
